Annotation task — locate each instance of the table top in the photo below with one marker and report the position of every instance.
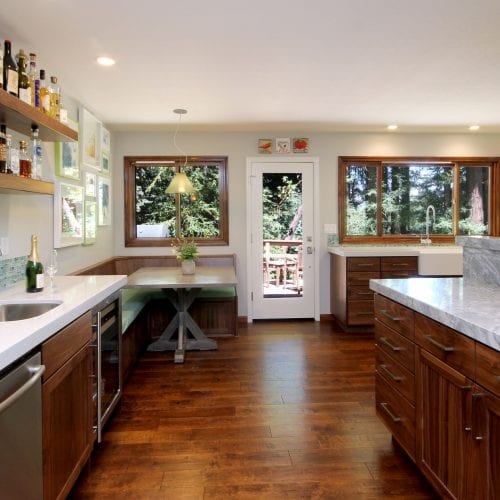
(172, 277)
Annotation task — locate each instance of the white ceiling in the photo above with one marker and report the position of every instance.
(427, 65)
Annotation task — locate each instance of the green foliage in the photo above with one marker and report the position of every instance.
(185, 249)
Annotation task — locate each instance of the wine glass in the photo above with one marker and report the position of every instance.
(52, 268)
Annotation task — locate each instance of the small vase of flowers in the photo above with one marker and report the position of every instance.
(187, 252)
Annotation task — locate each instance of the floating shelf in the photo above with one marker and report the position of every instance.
(12, 184)
(19, 116)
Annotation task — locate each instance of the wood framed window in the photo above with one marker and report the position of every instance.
(153, 218)
(385, 199)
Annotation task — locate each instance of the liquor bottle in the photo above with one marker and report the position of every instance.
(44, 94)
(1, 67)
(24, 160)
(35, 89)
(34, 269)
(10, 76)
(3, 149)
(24, 92)
(55, 98)
(36, 157)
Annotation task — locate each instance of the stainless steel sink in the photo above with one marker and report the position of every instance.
(25, 310)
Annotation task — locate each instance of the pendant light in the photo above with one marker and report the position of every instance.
(180, 182)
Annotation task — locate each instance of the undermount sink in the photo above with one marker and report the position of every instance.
(440, 261)
(25, 310)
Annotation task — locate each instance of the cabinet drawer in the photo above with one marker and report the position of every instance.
(488, 368)
(359, 293)
(398, 377)
(446, 344)
(360, 312)
(394, 344)
(361, 278)
(397, 414)
(389, 264)
(363, 264)
(64, 344)
(398, 274)
(398, 317)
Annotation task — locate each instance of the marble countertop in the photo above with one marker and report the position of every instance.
(77, 295)
(470, 308)
(392, 250)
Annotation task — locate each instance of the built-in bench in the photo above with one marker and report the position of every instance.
(146, 313)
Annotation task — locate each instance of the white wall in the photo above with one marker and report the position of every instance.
(238, 146)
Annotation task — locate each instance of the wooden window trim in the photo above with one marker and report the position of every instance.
(343, 161)
(129, 164)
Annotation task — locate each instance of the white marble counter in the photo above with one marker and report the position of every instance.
(77, 295)
(471, 309)
(392, 250)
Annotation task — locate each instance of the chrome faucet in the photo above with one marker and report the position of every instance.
(427, 240)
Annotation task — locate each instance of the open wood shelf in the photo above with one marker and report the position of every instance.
(19, 116)
(12, 184)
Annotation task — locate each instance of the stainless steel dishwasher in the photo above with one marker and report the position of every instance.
(21, 473)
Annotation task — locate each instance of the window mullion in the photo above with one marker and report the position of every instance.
(379, 200)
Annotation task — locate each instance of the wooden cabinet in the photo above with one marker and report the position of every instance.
(448, 386)
(66, 402)
(351, 299)
(19, 116)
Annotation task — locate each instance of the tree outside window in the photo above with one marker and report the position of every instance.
(154, 217)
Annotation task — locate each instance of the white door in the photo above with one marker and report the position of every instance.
(282, 260)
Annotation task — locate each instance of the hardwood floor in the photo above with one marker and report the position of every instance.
(286, 410)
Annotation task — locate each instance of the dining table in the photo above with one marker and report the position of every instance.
(182, 333)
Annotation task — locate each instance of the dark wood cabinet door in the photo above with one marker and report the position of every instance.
(444, 424)
(67, 425)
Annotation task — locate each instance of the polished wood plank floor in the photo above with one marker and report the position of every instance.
(286, 410)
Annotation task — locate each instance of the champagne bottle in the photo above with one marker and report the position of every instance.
(44, 94)
(24, 89)
(34, 268)
(10, 76)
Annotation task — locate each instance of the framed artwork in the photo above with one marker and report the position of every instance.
(104, 201)
(90, 185)
(300, 145)
(265, 146)
(282, 144)
(66, 160)
(90, 139)
(68, 215)
(90, 222)
(105, 151)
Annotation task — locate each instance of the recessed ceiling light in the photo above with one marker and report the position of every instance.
(105, 61)
(392, 127)
(474, 127)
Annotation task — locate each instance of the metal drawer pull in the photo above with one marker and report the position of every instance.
(364, 293)
(385, 406)
(365, 313)
(394, 377)
(389, 345)
(400, 264)
(392, 318)
(439, 345)
(364, 265)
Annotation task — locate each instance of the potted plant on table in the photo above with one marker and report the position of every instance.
(187, 252)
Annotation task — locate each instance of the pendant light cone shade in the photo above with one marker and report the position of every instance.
(180, 184)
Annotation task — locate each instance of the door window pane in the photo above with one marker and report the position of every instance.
(361, 193)
(474, 191)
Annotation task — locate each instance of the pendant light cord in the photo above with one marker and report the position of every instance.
(175, 140)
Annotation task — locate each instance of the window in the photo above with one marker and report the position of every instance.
(153, 217)
(386, 199)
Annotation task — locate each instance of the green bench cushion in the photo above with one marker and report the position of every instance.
(221, 293)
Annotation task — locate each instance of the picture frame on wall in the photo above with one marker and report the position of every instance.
(90, 222)
(300, 145)
(67, 161)
(104, 201)
(282, 145)
(265, 146)
(68, 215)
(105, 151)
(90, 185)
(89, 139)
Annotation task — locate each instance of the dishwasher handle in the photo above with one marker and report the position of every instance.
(37, 372)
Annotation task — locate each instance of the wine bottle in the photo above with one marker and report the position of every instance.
(24, 89)
(34, 269)
(10, 76)
(44, 94)
(3, 149)
(1, 67)
(35, 88)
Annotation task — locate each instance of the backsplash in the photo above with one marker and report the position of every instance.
(12, 270)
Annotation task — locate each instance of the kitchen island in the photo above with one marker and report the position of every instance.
(438, 379)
